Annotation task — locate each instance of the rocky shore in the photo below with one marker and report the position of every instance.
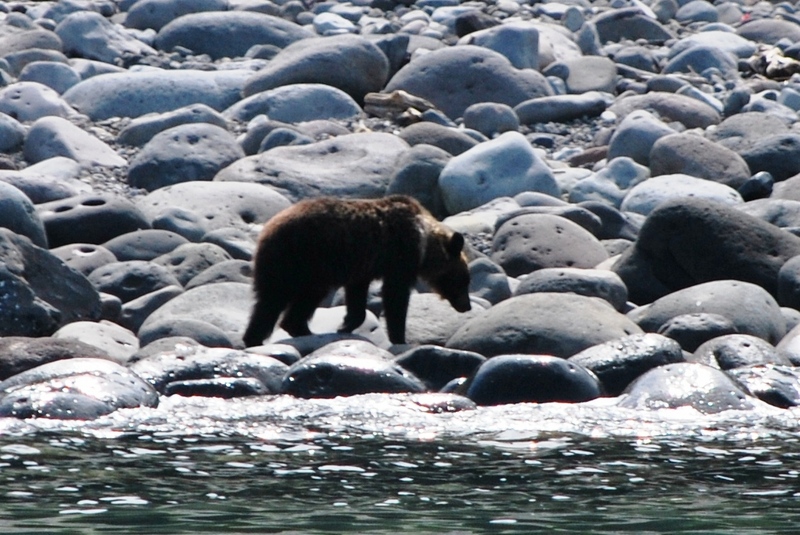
(627, 175)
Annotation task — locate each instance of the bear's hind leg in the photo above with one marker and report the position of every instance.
(262, 321)
(355, 296)
(295, 320)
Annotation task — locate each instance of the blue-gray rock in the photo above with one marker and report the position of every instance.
(417, 174)
(431, 320)
(228, 33)
(560, 108)
(491, 118)
(156, 14)
(454, 78)
(90, 218)
(135, 93)
(691, 330)
(705, 389)
(635, 135)
(74, 389)
(55, 75)
(502, 167)
(203, 332)
(118, 343)
(694, 155)
(488, 281)
(629, 23)
(142, 129)
(29, 101)
(543, 323)
(12, 133)
(225, 271)
(164, 369)
(619, 362)
(701, 57)
(779, 155)
(749, 307)
(134, 312)
(584, 74)
(90, 35)
(49, 180)
(436, 366)
(21, 39)
(280, 137)
(788, 292)
(18, 214)
(348, 62)
(296, 103)
(50, 137)
(610, 184)
(733, 351)
(131, 279)
(188, 260)
(689, 111)
(530, 242)
(614, 224)
(84, 257)
(773, 384)
(517, 41)
(696, 11)
(742, 131)
(589, 282)
(769, 30)
(638, 57)
(353, 165)
(648, 195)
(143, 244)
(531, 379)
(687, 241)
(212, 205)
(725, 41)
(236, 242)
(20, 353)
(183, 153)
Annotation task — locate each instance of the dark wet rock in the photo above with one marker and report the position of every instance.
(134, 312)
(348, 62)
(143, 244)
(687, 241)
(436, 366)
(84, 257)
(692, 330)
(773, 384)
(696, 156)
(631, 24)
(90, 218)
(417, 174)
(283, 352)
(439, 403)
(162, 370)
(184, 153)
(689, 111)
(353, 165)
(225, 271)
(113, 340)
(156, 14)
(488, 281)
(470, 75)
(131, 279)
(142, 129)
(90, 35)
(531, 379)
(705, 389)
(581, 281)
(560, 108)
(449, 139)
(751, 309)
(74, 389)
(18, 214)
(218, 387)
(20, 353)
(779, 155)
(738, 351)
(530, 242)
(227, 33)
(40, 292)
(543, 323)
(619, 362)
(187, 261)
(212, 205)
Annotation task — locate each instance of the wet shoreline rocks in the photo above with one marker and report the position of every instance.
(626, 178)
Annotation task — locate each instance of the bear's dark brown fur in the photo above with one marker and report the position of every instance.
(321, 244)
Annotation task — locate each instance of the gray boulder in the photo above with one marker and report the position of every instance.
(90, 35)
(18, 214)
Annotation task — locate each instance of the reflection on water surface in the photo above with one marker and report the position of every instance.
(379, 464)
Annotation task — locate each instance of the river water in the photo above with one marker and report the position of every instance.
(383, 464)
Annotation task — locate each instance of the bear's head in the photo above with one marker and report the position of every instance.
(445, 268)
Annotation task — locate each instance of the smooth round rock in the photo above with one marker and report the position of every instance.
(417, 174)
(134, 312)
(18, 214)
(769, 30)
(436, 366)
(733, 351)
(689, 111)
(225, 271)
(315, 61)
(779, 155)
(749, 307)
(74, 389)
(610, 184)
(203, 332)
(431, 320)
(90, 218)
(353, 165)
(701, 57)
(296, 103)
(543, 323)
(629, 23)
(645, 197)
(517, 41)
(531, 379)
(488, 281)
(773, 384)
(705, 389)
(19, 353)
(131, 279)
(164, 369)
(50, 137)
(582, 281)
(584, 74)
(696, 11)
(619, 362)
(788, 292)
(694, 329)
(55, 75)
(635, 136)
(530, 242)
(12, 133)
(142, 129)
(183, 153)
(449, 139)
(29, 101)
(143, 244)
(560, 108)
(155, 14)
(696, 156)
(191, 207)
(491, 118)
(188, 260)
(84, 257)
(229, 34)
(49, 180)
(502, 167)
(454, 78)
(744, 130)
(113, 340)
(90, 35)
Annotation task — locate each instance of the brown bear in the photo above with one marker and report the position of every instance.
(321, 244)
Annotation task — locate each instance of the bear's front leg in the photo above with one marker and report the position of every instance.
(395, 309)
(355, 297)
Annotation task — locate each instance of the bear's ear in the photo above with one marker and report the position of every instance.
(456, 244)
